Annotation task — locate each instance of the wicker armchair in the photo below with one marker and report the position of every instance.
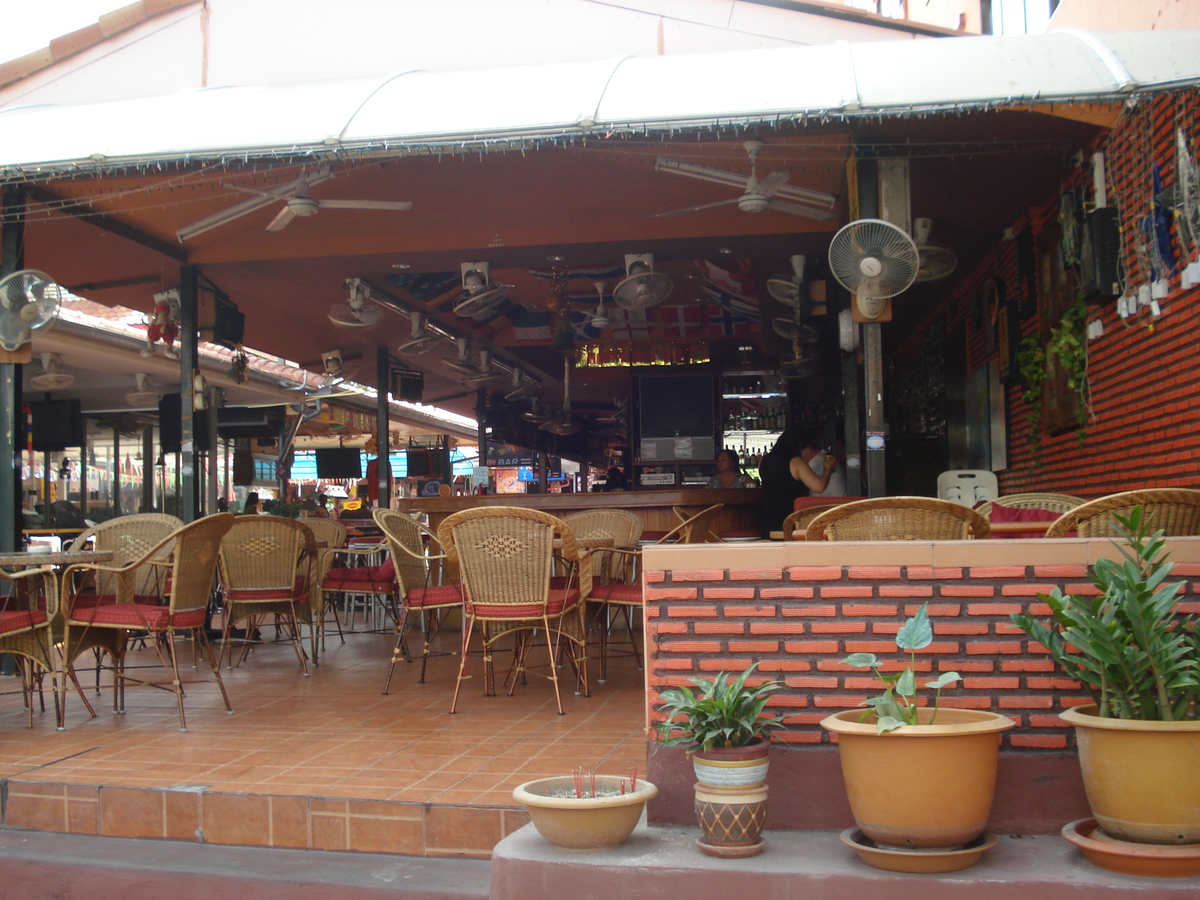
(415, 559)
(25, 615)
(331, 536)
(801, 518)
(1059, 503)
(625, 530)
(1175, 510)
(899, 519)
(187, 582)
(506, 558)
(267, 567)
(693, 528)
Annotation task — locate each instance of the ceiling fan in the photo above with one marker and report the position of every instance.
(144, 394)
(770, 192)
(562, 424)
(521, 388)
(355, 314)
(935, 262)
(642, 287)
(296, 199)
(479, 294)
(463, 364)
(52, 377)
(423, 340)
(487, 374)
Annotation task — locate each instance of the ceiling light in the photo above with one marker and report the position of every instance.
(401, 266)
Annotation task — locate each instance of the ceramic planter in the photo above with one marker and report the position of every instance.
(1142, 778)
(921, 786)
(584, 823)
(733, 766)
(731, 819)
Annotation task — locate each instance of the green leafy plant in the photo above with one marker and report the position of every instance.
(1128, 646)
(1068, 343)
(897, 705)
(1031, 359)
(723, 712)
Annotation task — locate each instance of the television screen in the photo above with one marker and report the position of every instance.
(56, 424)
(677, 406)
(427, 463)
(339, 462)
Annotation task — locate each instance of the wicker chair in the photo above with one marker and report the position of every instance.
(506, 557)
(801, 518)
(628, 594)
(415, 560)
(625, 530)
(693, 528)
(267, 567)
(1059, 503)
(187, 583)
(898, 519)
(25, 615)
(1175, 510)
(333, 535)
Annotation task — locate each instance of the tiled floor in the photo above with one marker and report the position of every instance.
(325, 762)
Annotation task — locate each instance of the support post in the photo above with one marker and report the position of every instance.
(383, 371)
(12, 258)
(189, 368)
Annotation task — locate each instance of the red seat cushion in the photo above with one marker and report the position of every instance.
(558, 602)
(1002, 513)
(379, 579)
(617, 593)
(12, 620)
(138, 615)
(440, 595)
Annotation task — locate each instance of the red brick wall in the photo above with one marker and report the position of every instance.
(1145, 386)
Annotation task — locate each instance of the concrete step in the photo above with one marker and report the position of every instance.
(38, 865)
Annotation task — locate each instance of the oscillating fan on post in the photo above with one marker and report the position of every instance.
(29, 301)
(355, 314)
(874, 260)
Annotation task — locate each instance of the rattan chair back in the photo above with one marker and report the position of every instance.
(194, 561)
(801, 518)
(1059, 503)
(899, 519)
(1174, 510)
(622, 527)
(413, 548)
(329, 532)
(696, 529)
(128, 538)
(267, 552)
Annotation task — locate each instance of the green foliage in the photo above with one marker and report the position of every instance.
(1129, 647)
(724, 712)
(1031, 359)
(1068, 343)
(897, 705)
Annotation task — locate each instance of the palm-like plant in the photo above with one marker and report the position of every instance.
(724, 712)
(1128, 646)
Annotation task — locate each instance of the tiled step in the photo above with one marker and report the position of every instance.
(38, 865)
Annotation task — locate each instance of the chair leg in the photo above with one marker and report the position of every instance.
(552, 648)
(206, 648)
(468, 626)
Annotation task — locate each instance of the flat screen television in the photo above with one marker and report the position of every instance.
(339, 462)
(427, 463)
(677, 417)
(55, 424)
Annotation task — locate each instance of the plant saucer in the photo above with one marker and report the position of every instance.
(899, 859)
(1130, 857)
(741, 851)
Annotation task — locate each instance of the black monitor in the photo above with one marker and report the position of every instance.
(427, 463)
(55, 424)
(339, 462)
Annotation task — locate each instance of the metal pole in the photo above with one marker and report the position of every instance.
(383, 371)
(189, 367)
(12, 258)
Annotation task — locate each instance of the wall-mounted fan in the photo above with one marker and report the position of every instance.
(874, 260)
(463, 364)
(29, 301)
(52, 377)
(488, 373)
(936, 262)
(787, 288)
(642, 287)
(423, 340)
(562, 423)
(770, 192)
(355, 314)
(479, 294)
(144, 394)
(521, 388)
(296, 199)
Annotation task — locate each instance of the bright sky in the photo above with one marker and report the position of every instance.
(31, 24)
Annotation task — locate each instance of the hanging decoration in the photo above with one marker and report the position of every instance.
(163, 324)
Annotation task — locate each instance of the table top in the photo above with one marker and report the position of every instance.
(55, 558)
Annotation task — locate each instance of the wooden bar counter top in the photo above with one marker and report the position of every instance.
(655, 507)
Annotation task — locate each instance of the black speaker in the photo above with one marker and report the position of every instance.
(1100, 255)
(55, 424)
(408, 386)
(170, 425)
(229, 323)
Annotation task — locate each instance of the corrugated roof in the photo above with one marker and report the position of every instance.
(427, 111)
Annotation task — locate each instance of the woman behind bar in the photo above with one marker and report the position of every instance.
(729, 472)
(786, 475)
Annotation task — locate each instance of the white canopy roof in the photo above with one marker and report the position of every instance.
(433, 111)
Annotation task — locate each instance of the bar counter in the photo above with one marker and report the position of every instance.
(655, 507)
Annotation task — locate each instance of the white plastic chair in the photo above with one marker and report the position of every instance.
(970, 487)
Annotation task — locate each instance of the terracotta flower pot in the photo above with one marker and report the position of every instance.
(733, 766)
(584, 823)
(1142, 778)
(920, 786)
(731, 819)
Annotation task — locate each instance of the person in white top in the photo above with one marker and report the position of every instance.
(837, 481)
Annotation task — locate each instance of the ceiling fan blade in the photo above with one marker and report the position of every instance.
(769, 184)
(821, 215)
(365, 204)
(676, 212)
(260, 200)
(704, 173)
(281, 220)
(806, 195)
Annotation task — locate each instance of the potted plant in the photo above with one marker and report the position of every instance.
(1139, 659)
(920, 779)
(585, 811)
(726, 727)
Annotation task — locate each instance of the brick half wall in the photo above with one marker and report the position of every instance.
(797, 609)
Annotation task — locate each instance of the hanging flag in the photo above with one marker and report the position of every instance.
(531, 325)
(736, 282)
(428, 285)
(628, 324)
(595, 273)
(740, 307)
(679, 321)
(581, 325)
(729, 323)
